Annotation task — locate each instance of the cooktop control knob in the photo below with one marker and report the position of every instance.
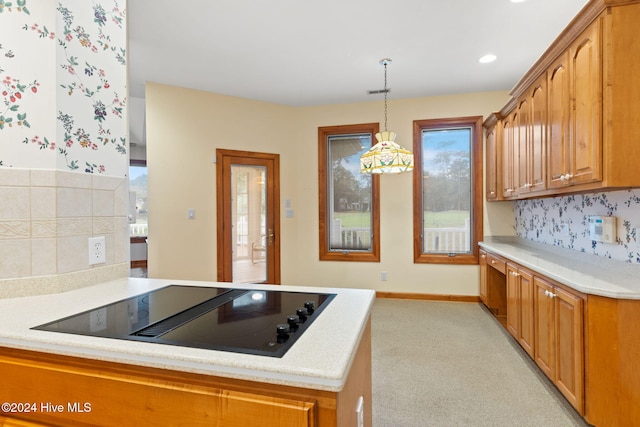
(293, 322)
(310, 306)
(302, 314)
(282, 329)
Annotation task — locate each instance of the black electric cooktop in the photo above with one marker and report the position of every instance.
(260, 322)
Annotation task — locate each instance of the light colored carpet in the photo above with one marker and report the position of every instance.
(451, 364)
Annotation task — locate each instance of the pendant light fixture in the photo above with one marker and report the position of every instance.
(386, 156)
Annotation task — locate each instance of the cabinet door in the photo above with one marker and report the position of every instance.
(558, 113)
(483, 276)
(544, 318)
(513, 301)
(527, 327)
(508, 155)
(570, 347)
(521, 136)
(586, 94)
(491, 172)
(538, 134)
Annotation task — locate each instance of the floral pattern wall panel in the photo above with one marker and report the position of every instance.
(63, 87)
(564, 222)
(27, 84)
(92, 75)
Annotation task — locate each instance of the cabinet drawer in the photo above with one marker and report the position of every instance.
(496, 262)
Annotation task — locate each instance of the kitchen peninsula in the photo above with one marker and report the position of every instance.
(64, 379)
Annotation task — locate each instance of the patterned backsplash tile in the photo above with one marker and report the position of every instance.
(564, 222)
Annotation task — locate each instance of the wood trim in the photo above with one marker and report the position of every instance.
(477, 189)
(324, 253)
(224, 159)
(138, 239)
(427, 297)
(140, 263)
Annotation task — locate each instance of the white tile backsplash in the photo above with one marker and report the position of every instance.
(45, 226)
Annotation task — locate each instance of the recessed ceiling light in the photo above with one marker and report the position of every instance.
(517, 1)
(487, 58)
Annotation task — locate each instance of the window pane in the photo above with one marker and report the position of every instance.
(138, 213)
(349, 194)
(446, 190)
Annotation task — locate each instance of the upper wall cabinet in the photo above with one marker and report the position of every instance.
(572, 123)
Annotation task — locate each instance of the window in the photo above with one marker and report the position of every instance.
(348, 199)
(447, 190)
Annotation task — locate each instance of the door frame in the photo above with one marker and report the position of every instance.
(224, 159)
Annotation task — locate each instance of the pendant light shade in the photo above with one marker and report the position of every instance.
(386, 156)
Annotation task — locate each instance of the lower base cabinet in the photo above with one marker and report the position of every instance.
(520, 307)
(547, 320)
(559, 338)
(56, 390)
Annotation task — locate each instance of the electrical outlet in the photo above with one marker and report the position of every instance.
(98, 320)
(383, 276)
(97, 249)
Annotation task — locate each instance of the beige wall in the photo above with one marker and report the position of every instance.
(184, 128)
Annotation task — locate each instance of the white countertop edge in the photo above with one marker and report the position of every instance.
(298, 367)
(585, 273)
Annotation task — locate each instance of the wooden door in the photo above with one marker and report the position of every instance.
(527, 326)
(544, 319)
(586, 93)
(569, 333)
(513, 298)
(558, 116)
(237, 173)
(538, 134)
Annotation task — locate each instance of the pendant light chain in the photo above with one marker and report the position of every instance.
(385, 95)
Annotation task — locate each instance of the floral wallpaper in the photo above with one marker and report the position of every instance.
(63, 85)
(563, 222)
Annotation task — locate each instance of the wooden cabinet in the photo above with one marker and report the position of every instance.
(530, 137)
(493, 156)
(571, 125)
(559, 338)
(493, 284)
(483, 276)
(509, 155)
(584, 344)
(101, 393)
(520, 311)
(575, 112)
(558, 113)
(545, 318)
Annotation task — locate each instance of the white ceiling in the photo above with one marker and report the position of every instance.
(304, 52)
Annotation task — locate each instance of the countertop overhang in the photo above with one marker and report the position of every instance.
(587, 273)
(320, 359)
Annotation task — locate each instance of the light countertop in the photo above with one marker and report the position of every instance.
(320, 359)
(583, 272)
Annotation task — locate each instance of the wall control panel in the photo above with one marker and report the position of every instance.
(602, 229)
